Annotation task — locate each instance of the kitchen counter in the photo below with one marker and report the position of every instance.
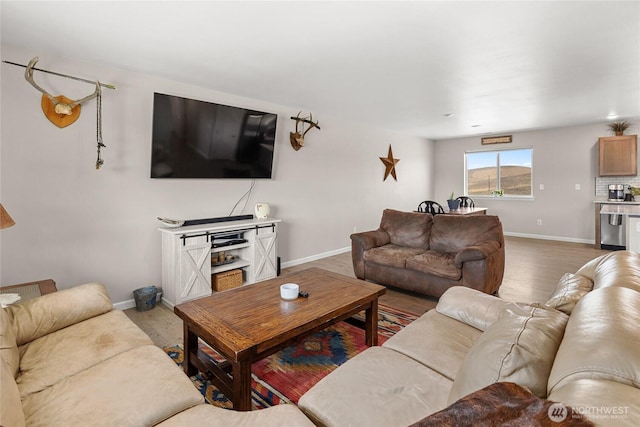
(614, 202)
(621, 209)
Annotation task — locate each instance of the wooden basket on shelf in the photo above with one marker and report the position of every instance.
(226, 280)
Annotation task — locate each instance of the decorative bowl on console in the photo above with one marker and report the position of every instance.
(171, 223)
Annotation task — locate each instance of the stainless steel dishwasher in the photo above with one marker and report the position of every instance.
(613, 230)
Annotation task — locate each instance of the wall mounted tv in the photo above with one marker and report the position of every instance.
(197, 139)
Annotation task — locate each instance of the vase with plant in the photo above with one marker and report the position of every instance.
(452, 202)
(619, 127)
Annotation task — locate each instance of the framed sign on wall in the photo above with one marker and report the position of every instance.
(496, 140)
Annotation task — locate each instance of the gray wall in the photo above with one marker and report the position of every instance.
(562, 158)
(75, 224)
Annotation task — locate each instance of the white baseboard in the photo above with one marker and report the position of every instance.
(558, 238)
(123, 305)
(315, 257)
(131, 303)
(347, 249)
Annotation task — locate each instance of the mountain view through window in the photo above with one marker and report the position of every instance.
(508, 171)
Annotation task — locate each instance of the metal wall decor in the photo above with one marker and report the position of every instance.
(390, 165)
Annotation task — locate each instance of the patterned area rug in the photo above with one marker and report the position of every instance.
(285, 376)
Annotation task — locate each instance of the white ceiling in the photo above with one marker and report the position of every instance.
(504, 66)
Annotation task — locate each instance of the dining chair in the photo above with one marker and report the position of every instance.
(429, 206)
(466, 202)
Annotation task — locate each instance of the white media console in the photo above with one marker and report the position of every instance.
(187, 255)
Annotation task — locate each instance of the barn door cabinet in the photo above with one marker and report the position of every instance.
(190, 254)
(618, 155)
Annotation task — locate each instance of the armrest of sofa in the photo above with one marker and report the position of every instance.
(370, 239)
(362, 242)
(508, 402)
(40, 316)
(477, 252)
(471, 307)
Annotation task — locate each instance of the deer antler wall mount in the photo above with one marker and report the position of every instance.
(60, 110)
(297, 138)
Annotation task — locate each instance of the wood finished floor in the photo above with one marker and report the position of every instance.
(532, 269)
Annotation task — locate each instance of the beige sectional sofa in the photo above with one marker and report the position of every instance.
(580, 348)
(69, 359)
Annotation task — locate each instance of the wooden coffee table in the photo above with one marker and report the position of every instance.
(249, 323)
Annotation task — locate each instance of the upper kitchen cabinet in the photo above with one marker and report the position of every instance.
(618, 155)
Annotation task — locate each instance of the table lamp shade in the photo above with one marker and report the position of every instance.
(5, 218)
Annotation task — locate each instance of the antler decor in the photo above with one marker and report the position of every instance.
(60, 110)
(297, 138)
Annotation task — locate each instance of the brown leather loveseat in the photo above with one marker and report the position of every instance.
(429, 254)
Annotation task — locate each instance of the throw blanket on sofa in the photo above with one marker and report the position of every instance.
(504, 403)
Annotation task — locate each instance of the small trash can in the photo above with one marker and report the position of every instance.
(145, 298)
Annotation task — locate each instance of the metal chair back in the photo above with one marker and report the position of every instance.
(429, 206)
(466, 202)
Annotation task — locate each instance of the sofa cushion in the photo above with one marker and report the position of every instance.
(212, 416)
(378, 387)
(140, 387)
(452, 233)
(436, 341)
(391, 255)
(8, 347)
(619, 268)
(40, 316)
(519, 347)
(11, 414)
(608, 403)
(409, 229)
(61, 354)
(471, 307)
(569, 290)
(602, 339)
(436, 263)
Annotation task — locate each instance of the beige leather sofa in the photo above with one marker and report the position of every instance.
(580, 348)
(69, 359)
(429, 254)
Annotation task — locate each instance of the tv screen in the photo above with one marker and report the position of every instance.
(198, 139)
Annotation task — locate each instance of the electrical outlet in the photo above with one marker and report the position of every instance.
(355, 229)
(541, 186)
(539, 222)
(577, 187)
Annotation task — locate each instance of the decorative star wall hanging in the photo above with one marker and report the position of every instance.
(390, 165)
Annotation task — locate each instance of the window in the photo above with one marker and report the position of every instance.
(509, 171)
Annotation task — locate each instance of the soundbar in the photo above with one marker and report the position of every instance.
(218, 219)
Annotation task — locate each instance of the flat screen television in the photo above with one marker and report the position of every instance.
(198, 139)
